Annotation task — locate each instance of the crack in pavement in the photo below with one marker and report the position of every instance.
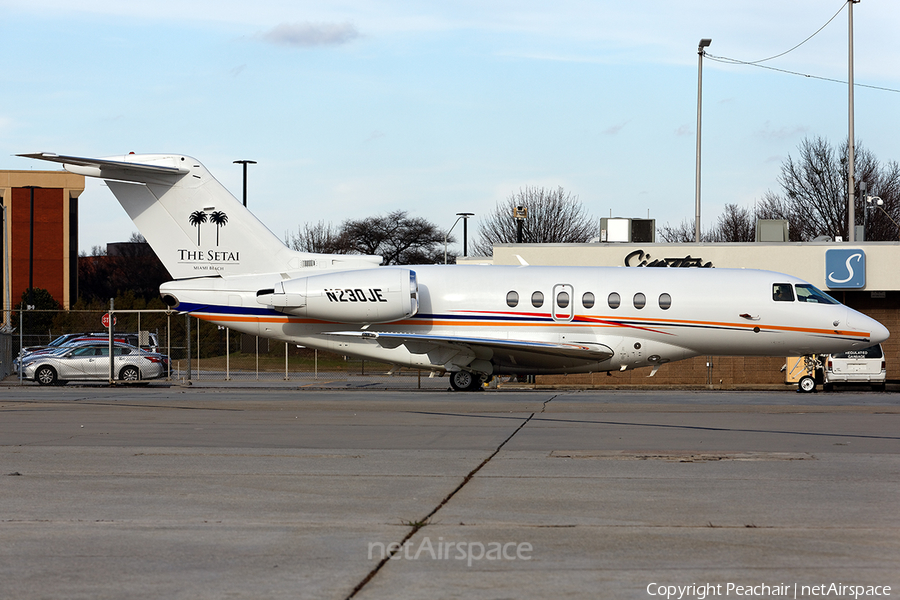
(417, 525)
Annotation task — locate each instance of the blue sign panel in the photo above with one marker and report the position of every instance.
(845, 268)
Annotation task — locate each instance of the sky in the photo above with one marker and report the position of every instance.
(353, 108)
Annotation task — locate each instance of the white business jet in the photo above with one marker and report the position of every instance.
(471, 321)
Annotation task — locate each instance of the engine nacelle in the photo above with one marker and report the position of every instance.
(368, 296)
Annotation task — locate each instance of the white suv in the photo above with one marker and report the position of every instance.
(856, 366)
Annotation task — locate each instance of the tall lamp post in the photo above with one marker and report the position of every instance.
(851, 142)
(705, 42)
(520, 213)
(465, 219)
(876, 202)
(245, 163)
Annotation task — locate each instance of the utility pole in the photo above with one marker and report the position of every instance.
(705, 42)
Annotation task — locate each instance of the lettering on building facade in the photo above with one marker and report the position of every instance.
(639, 258)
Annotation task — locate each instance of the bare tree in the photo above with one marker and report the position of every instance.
(554, 216)
(813, 199)
(396, 237)
(736, 224)
(321, 238)
(683, 233)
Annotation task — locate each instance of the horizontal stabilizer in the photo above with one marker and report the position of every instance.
(109, 168)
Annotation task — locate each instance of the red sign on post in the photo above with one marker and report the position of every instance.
(105, 320)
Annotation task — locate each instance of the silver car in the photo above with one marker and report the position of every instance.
(92, 361)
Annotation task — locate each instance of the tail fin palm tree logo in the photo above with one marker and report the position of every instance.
(220, 219)
(197, 218)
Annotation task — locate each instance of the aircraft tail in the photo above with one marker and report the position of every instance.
(195, 226)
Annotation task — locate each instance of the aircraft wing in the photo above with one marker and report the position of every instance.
(512, 355)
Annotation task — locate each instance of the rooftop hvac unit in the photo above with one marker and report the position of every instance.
(638, 231)
(771, 230)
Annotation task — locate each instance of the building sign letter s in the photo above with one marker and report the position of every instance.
(845, 268)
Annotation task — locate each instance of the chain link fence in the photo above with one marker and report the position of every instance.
(158, 345)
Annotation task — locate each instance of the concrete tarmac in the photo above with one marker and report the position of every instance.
(276, 492)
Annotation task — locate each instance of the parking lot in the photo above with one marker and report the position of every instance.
(280, 491)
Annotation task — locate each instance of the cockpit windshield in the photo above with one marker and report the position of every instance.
(810, 293)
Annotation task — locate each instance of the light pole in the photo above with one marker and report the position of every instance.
(877, 202)
(520, 213)
(465, 217)
(705, 42)
(245, 163)
(851, 144)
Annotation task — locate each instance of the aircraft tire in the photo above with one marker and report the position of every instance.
(806, 384)
(465, 381)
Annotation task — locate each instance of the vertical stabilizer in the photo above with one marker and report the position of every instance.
(195, 226)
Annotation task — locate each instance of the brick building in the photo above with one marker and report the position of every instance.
(55, 221)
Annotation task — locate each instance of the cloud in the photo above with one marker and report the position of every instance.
(614, 129)
(308, 35)
(788, 132)
(374, 136)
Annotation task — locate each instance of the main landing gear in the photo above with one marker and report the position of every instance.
(466, 381)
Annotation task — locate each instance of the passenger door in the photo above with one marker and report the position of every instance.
(563, 302)
(79, 363)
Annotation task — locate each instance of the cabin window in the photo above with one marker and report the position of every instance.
(640, 300)
(537, 299)
(665, 301)
(614, 300)
(782, 292)
(810, 293)
(587, 300)
(562, 299)
(512, 299)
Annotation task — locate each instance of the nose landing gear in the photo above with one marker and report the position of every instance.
(815, 371)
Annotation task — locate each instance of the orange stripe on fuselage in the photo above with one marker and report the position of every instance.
(581, 321)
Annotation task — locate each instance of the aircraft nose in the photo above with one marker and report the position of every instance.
(877, 332)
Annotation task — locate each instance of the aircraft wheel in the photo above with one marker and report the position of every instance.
(45, 375)
(807, 384)
(464, 381)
